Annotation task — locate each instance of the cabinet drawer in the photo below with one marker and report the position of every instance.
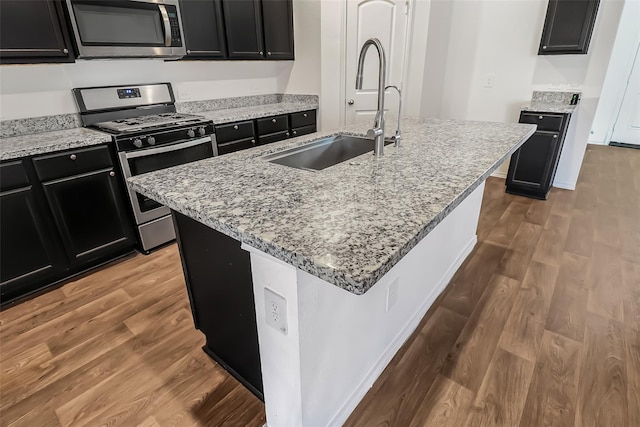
(13, 175)
(73, 162)
(274, 137)
(230, 147)
(303, 118)
(544, 121)
(303, 130)
(234, 131)
(270, 125)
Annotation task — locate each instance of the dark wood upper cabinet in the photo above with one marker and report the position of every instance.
(243, 19)
(33, 31)
(277, 17)
(203, 29)
(568, 27)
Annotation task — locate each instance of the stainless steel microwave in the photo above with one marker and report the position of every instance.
(127, 29)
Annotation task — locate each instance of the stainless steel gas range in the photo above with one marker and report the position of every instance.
(149, 135)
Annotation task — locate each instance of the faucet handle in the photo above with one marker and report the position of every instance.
(373, 133)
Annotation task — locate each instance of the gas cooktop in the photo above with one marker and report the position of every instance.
(149, 122)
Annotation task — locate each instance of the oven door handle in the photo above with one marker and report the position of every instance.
(174, 147)
(167, 25)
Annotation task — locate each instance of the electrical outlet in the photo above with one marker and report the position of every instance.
(392, 293)
(275, 306)
(489, 80)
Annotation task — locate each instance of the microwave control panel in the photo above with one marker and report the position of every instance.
(176, 39)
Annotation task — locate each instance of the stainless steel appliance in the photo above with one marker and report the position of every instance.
(135, 28)
(149, 135)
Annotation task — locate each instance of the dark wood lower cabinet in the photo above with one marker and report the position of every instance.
(533, 166)
(56, 229)
(220, 287)
(89, 211)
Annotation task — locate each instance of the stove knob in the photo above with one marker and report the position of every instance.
(151, 140)
(191, 133)
(201, 131)
(137, 142)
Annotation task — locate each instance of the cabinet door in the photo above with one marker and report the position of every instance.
(203, 29)
(33, 31)
(568, 26)
(531, 165)
(277, 17)
(90, 213)
(29, 248)
(243, 27)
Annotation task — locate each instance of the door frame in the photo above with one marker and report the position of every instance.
(634, 63)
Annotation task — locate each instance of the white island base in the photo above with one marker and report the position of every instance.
(338, 343)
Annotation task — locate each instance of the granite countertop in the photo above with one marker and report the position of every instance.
(549, 107)
(350, 223)
(257, 111)
(46, 142)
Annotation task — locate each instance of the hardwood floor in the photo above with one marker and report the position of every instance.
(539, 327)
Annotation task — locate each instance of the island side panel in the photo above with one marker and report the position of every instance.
(338, 343)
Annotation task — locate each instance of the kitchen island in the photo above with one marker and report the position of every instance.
(357, 252)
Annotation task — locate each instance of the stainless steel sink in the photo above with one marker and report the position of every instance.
(323, 153)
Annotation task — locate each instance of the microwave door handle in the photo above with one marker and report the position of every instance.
(174, 147)
(167, 25)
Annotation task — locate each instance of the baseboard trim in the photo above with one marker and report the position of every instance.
(365, 385)
(565, 185)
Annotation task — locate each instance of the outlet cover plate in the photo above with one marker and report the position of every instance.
(275, 306)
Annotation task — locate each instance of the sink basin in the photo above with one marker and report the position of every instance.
(323, 153)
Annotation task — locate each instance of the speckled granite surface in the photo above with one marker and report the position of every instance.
(257, 111)
(30, 125)
(350, 223)
(47, 142)
(551, 102)
(195, 107)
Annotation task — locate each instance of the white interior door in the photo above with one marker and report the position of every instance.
(387, 21)
(627, 127)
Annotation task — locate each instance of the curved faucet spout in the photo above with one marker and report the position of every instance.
(378, 125)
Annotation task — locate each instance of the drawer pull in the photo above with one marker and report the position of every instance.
(305, 115)
(235, 127)
(555, 136)
(269, 53)
(273, 120)
(261, 53)
(540, 117)
(253, 141)
(287, 133)
(295, 133)
(112, 173)
(73, 157)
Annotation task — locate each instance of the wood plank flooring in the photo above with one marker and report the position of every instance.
(539, 327)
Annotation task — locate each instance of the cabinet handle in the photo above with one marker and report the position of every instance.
(295, 133)
(287, 133)
(65, 50)
(555, 136)
(273, 120)
(73, 157)
(269, 53)
(235, 127)
(112, 173)
(253, 141)
(304, 115)
(544, 47)
(539, 117)
(261, 53)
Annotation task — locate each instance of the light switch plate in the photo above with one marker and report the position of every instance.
(275, 306)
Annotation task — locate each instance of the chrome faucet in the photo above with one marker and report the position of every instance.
(398, 136)
(377, 132)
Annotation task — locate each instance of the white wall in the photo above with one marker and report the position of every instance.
(498, 41)
(45, 89)
(617, 75)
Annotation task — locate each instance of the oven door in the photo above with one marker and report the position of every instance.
(153, 159)
(135, 28)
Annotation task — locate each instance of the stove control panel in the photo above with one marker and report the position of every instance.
(143, 140)
(132, 92)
